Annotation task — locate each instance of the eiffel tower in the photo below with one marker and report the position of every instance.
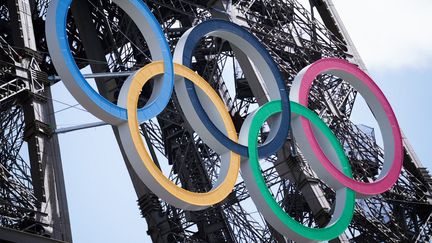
(33, 204)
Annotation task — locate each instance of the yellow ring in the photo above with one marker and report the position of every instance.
(192, 200)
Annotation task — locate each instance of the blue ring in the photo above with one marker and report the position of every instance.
(151, 109)
(193, 39)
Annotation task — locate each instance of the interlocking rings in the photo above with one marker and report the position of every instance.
(261, 195)
(150, 173)
(315, 148)
(207, 115)
(75, 82)
(204, 122)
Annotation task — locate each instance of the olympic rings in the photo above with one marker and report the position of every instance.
(207, 115)
(66, 67)
(261, 195)
(315, 149)
(142, 163)
(191, 101)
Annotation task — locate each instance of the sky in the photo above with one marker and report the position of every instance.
(390, 35)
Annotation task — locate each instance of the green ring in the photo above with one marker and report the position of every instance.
(320, 234)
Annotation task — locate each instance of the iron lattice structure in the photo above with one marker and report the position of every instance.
(295, 35)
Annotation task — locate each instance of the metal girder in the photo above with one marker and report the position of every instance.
(25, 90)
(8, 235)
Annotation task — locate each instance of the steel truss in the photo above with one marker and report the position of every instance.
(33, 198)
(295, 37)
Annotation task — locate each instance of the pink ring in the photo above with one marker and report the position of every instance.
(381, 109)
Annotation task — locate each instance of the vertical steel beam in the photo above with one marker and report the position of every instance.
(43, 146)
(334, 23)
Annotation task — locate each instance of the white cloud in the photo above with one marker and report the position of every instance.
(390, 33)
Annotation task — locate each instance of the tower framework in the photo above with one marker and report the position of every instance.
(32, 196)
